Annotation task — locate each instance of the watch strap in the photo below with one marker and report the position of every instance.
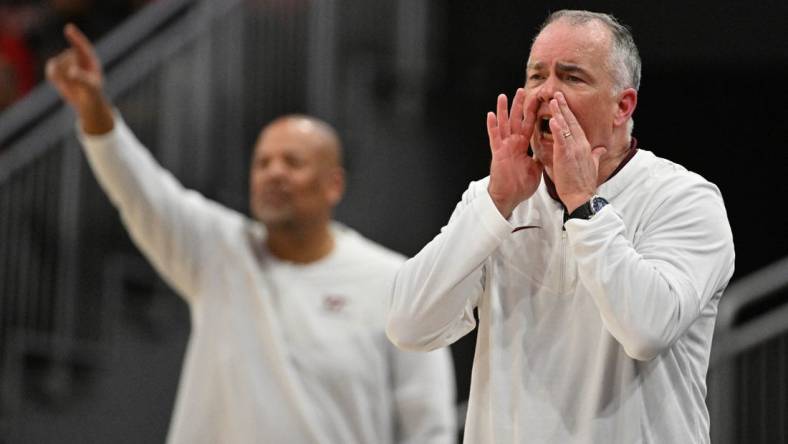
(582, 212)
(588, 209)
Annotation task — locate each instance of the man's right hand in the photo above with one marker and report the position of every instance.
(76, 75)
(514, 175)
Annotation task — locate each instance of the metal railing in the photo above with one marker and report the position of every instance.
(748, 376)
(53, 316)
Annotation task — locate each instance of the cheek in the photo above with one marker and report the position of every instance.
(588, 115)
(308, 185)
(255, 182)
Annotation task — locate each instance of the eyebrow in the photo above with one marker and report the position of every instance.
(570, 68)
(563, 67)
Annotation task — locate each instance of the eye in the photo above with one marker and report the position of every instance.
(535, 76)
(574, 79)
(294, 161)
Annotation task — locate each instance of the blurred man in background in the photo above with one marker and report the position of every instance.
(596, 267)
(287, 310)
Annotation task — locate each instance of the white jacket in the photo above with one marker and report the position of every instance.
(599, 333)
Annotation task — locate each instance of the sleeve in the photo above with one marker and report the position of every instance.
(435, 292)
(167, 222)
(650, 292)
(424, 393)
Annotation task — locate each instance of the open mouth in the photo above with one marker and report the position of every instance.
(544, 125)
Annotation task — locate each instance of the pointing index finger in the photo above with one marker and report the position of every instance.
(82, 47)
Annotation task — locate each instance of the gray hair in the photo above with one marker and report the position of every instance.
(624, 57)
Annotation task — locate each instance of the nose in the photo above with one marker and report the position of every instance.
(275, 170)
(547, 89)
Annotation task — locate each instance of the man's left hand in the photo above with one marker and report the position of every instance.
(575, 162)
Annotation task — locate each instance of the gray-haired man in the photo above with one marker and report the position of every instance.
(596, 267)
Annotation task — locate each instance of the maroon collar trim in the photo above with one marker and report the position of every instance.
(633, 148)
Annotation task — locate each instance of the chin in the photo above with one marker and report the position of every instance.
(273, 218)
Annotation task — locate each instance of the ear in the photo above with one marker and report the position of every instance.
(627, 101)
(335, 188)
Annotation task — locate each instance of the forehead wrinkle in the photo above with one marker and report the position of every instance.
(593, 44)
(570, 67)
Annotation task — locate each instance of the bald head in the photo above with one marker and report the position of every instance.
(296, 174)
(322, 137)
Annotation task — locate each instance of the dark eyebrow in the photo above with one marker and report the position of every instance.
(570, 68)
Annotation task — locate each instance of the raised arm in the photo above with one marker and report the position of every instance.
(650, 292)
(436, 291)
(167, 222)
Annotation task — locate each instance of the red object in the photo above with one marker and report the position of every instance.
(16, 53)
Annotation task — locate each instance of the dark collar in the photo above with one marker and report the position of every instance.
(633, 147)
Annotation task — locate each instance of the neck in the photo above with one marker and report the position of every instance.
(301, 245)
(611, 160)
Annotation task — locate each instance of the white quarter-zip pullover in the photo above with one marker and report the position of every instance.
(596, 333)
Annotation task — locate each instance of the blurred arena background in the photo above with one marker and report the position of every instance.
(91, 340)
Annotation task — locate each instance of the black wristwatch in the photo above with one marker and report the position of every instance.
(588, 209)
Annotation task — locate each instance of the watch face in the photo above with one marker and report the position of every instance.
(597, 203)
